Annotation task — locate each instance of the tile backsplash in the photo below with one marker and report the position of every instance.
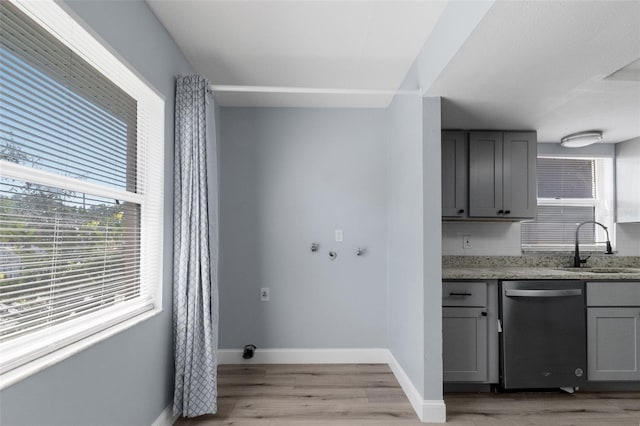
(503, 239)
(486, 238)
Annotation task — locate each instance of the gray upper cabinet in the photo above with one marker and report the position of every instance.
(519, 152)
(485, 174)
(502, 175)
(454, 174)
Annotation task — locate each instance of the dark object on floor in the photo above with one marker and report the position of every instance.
(248, 351)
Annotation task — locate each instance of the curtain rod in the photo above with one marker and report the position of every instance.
(308, 90)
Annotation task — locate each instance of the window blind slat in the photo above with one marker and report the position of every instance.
(23, 82)
(21, 123)
(59, 297)
(62, 302)
(68, 255)
(59, 318)
(59, 269)
(36, 279)
(23, 296)
(20, 127)
(78, 127)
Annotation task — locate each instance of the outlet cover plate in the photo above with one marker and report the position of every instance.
(265, 294)
(466, 242)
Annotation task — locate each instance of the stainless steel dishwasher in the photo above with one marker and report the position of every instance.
(543, 337)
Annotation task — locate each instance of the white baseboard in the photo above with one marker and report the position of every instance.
(428, 411)
(306, 356)
(407, 386)
(434, 411)
(166, 418)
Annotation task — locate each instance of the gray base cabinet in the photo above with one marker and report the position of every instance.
(613, 331)
(470, 332)
(464, 344)
(613, 336)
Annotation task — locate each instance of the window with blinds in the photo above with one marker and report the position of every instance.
(560, 178)
(80, 190)
(570, 191)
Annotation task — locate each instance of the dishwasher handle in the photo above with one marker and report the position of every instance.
(544, 293)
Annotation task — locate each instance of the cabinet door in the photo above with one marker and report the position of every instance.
(454, 174)
(485, 174)
(464, 345)
(519, 189)
(613, 339)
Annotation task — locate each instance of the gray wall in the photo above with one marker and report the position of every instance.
(414, 269)
(628, 239)
(414, 212)
(628, 234)
(405, 238)
(289, 177)
(128, 378)
(432, 254)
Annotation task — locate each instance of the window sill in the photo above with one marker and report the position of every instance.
(20, 373)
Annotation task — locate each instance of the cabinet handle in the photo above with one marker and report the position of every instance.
(484, 314)
(500, 211)
(460, 211)
(507, 212)
(460, 294)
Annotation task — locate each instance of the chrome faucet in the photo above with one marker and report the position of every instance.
(577, 262)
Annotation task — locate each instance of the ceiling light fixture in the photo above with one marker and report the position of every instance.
(577, 140)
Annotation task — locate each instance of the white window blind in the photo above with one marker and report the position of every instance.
(81, 175)
(570, 191)
(566, 178)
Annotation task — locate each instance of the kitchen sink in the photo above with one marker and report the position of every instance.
(603, 270)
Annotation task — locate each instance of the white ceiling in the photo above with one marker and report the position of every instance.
(527, 65)
(359, 50)
(542, 66)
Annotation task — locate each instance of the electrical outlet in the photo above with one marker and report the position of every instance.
(265, 294)
(466, 241)
(339, 235)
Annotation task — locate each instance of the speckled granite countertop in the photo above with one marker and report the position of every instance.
(551, 266)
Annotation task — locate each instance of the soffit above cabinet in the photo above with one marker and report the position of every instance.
(544, 66)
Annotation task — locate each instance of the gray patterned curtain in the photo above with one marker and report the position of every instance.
(195, 295)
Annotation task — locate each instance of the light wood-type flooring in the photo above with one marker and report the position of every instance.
(340, 395)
